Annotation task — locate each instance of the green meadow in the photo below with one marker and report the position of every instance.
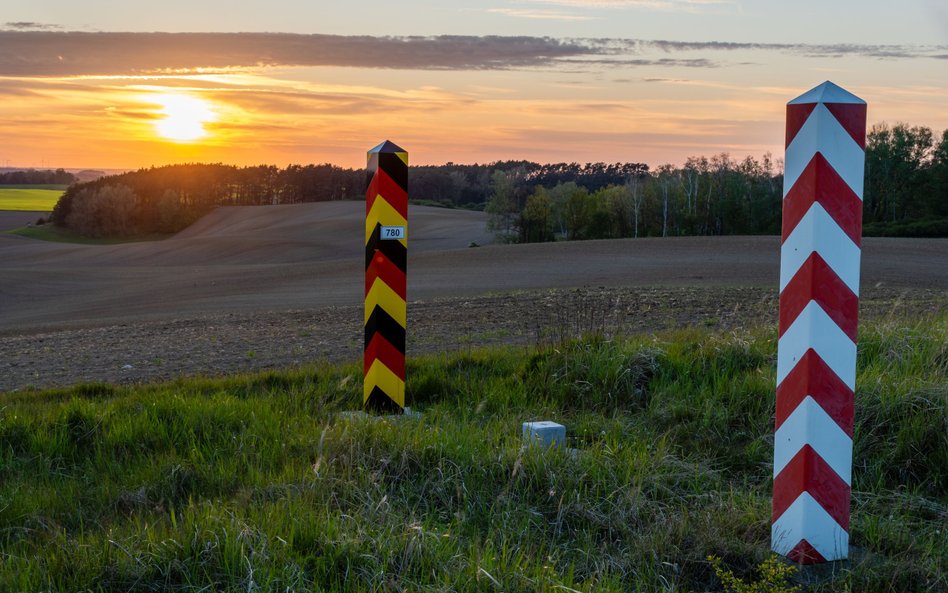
(266, 482)
(29, 198)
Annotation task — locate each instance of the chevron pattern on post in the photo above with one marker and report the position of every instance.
(819, 307)
(386, 251)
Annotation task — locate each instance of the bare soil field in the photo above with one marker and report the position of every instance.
(14, 219)
(253, 288)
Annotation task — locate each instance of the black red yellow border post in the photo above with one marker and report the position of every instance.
(386, 250)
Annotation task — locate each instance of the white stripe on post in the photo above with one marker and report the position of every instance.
(813, 328)
(822, 132)
(807, 520)
(818, 232)
(810, 425)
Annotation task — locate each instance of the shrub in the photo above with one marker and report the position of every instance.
(104, 212)
(774, 577)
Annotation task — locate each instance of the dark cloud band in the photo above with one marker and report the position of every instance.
(42, 53)
(30, 26)
(55, 53)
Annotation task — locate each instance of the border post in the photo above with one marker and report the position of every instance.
(386, 250)
(819, 305)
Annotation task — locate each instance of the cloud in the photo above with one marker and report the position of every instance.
(16, 88)
(639, 62)
(30, 26)
(802, 49)
(330, 101)
(37, 53)
(57, 54)
(678, 5)
(549, 15)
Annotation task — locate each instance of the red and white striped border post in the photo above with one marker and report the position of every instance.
(819, 306)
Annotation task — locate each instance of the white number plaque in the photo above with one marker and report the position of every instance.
(393, 232)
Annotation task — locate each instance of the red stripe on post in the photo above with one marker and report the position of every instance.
(807, 472)
(382, 350)
(816, 281)
(813, 377)
(852, 116)
(804, 553)
(383, 185)
(391, 275)
(796, 117)
(819, 182)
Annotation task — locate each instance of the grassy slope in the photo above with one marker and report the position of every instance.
(258, 483)
(28, 200)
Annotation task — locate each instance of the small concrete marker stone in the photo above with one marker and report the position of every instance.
(544, 433)
(354, 415)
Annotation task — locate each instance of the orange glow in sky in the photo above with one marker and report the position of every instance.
(98, 99)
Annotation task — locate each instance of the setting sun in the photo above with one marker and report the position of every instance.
(183, 118)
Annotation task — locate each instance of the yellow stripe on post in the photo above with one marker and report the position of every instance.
(383, 296)
(381, 377)
(383, 213)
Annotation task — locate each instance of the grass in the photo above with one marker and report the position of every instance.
(29, 198)
(263, 483)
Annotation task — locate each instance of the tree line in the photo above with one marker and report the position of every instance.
(906, 189)
(162, 200)
(906, 193)
(37, 177)
(470, 186)
(716, 196)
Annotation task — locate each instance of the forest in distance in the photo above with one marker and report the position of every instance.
(906, 194)
(37, 177)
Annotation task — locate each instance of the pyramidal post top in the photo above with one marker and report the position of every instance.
(827, 93)
(387, 146)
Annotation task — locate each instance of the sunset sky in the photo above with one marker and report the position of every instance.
(126, 84)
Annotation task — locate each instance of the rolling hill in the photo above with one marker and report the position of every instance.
(306, 256)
